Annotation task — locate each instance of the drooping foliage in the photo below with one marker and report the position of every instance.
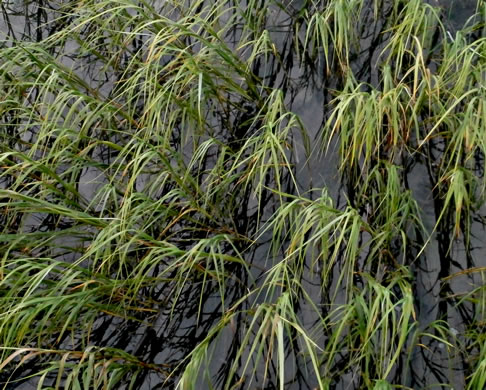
(242, 194)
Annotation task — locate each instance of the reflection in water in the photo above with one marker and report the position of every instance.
(151, 175)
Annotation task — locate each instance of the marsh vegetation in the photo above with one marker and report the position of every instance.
(242, 194)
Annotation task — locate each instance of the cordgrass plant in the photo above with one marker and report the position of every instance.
(156, 226)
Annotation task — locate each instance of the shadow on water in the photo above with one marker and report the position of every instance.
(158, 323)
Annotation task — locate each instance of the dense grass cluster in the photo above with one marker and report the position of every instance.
(174, 217)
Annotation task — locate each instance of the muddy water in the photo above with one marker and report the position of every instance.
(306, 95)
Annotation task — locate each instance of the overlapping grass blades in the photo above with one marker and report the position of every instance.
(155, 227)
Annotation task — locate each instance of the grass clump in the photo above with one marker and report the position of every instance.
(168, 215)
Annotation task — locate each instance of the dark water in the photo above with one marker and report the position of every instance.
(307, 87)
